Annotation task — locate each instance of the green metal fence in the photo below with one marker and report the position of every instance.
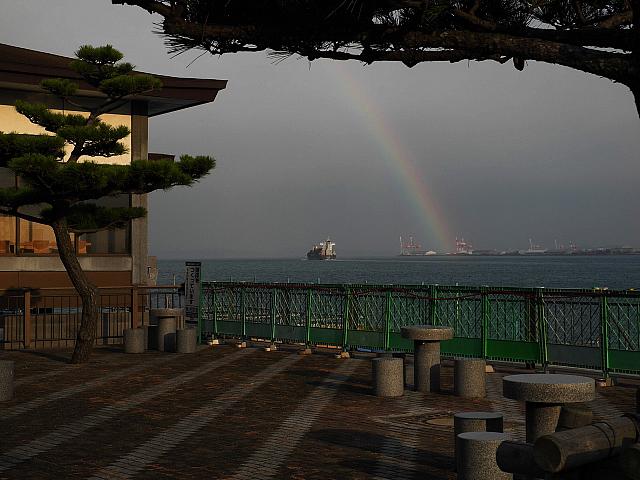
(594, 329)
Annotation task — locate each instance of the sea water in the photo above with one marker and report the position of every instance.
(606, 271)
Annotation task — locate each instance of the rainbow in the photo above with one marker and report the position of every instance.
(401, 162)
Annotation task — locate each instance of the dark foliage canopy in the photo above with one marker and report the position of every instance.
(65, 186)
(600, 37)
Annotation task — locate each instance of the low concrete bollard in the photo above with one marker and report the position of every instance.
(134, 340)
(477, 456)
(388, 377)
(7, 373)
(469, 377)
(187, 340)
(465, 422)
(167, 334)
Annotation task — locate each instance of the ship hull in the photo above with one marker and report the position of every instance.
(319, 256)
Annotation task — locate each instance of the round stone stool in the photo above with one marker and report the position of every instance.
(469, 377)
(465, 422)
(477, 456)
(167, 334)
(388, 376)
(544, 395)
(187, 339)
(134, 340)
(7, 373)
(574, 416)
(426, 354)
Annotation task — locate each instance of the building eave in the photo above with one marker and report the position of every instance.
(24, 69)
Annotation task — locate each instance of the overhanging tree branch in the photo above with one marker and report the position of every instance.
(599, 38)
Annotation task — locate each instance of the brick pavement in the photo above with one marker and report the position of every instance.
(264, 463)
(223, 413)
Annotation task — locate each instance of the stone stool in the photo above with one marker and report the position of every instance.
(469, 377)
(544, 395)
(426, 354)
(134, 340)
(7, 373)
(574, 416)
(466, 422)
(388, 376)
(167, 334)
(477, 456)
(405, 367)
(187, 339)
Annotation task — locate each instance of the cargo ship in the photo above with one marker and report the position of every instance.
(323, 251)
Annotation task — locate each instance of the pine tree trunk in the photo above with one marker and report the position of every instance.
(86, 290)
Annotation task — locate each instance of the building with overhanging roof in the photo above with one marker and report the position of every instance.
(117, 257)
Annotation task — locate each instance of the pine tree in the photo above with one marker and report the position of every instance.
(62, 188)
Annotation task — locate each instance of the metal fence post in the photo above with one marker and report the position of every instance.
(604, 334)
(484, 325)
(345, 318)
(272, 314)
(433, 304)
(541, 324)
(26, 329)
(215, 311)
(135, 314)
(308, 317)
(243, 316)
(387, 320)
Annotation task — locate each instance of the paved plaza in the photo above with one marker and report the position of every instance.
(233, 414)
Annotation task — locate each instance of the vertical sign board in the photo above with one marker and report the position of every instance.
(192, 292)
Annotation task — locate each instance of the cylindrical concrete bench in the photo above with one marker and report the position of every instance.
(167, 334)
(134, 340)
(187, 339)
(465, 422)
(7, 373)
(518, 458)
(477, 456)
(426, 354)
(388, 377)
(469, 377)
(582, 447)
(544, 395)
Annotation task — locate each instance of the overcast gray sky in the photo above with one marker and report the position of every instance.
(368, 153)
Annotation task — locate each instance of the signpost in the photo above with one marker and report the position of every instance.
(192, 292)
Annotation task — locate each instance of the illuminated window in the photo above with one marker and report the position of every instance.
(7, 223)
